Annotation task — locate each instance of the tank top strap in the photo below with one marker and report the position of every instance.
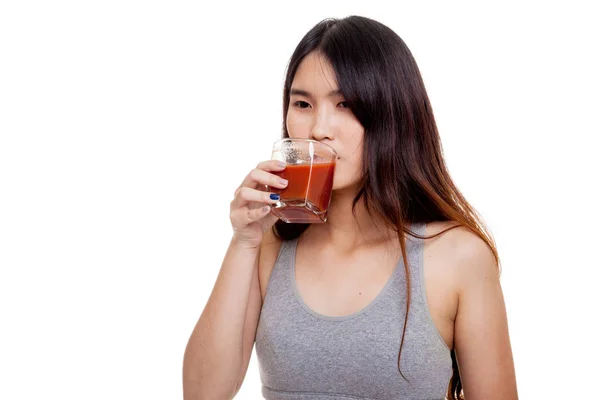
(279, 285)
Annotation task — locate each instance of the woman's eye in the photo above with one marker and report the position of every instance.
(343, 104)
(301, 104)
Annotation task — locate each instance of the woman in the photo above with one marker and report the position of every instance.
(398, 291)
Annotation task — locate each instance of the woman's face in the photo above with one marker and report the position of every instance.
(318, 111)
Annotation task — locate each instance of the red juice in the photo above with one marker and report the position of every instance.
(306, 197)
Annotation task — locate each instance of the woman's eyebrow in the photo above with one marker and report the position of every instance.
(305, 93)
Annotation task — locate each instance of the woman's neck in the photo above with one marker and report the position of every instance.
(347, 230)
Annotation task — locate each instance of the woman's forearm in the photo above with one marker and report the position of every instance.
(213, 356)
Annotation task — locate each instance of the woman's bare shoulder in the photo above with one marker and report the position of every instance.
(269, 250)
(463, 251)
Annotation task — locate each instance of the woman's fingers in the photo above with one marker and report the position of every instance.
(251, 204)
(242, 217)
(261, 175)
(245, 195)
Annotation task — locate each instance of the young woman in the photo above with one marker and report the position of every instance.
(397, 295)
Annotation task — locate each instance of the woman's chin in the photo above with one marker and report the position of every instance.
(340, 185)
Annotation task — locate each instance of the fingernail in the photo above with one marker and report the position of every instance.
(283, 181)
(274, 196)
(281, 164)
(266, 208)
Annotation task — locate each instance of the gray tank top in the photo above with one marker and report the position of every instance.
(305, 355)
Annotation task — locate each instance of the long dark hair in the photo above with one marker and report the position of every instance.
(405, 179)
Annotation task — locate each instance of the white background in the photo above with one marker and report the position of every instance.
(125, 127)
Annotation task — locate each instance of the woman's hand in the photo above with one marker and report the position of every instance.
(250, 209)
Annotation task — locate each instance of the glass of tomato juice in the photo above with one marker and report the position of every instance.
(310, 169)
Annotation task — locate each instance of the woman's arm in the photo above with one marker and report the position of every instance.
(218, 346)
(481, 338)
(218, 351)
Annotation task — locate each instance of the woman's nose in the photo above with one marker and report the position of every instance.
(322, 128)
